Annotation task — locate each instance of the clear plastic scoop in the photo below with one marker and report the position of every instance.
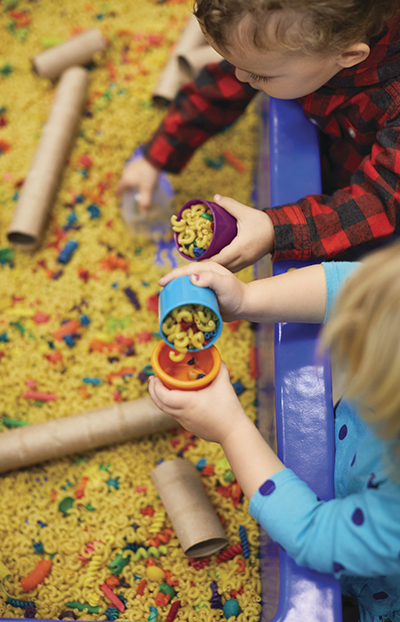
(156, 222)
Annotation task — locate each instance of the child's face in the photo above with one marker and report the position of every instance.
(280, 73)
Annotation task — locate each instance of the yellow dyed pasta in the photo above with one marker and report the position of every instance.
(197, 339)
(194, 229)
(177, 357)
(118, 526)
(184, 338)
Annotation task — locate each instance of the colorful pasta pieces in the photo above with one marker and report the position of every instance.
(195, 230)
(189, 327)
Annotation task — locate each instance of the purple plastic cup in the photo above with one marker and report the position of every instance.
(225, 229)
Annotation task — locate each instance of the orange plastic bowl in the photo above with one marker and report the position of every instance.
(176, 375)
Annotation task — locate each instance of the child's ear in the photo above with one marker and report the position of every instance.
(354, 55)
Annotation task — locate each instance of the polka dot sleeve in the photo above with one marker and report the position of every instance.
(357, 535)
(336, 272)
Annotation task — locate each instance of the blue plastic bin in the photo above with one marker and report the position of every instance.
(295, 412)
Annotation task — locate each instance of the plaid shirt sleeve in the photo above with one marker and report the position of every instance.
(320, 226)
(202, 108)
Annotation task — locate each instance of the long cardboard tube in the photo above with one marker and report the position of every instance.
(172, 78)
(76, 51)
(41, 182)
(193, 61)
(193, 518)
(104, 426)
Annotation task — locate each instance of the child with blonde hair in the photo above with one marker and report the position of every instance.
(356, 535)
(340, 59)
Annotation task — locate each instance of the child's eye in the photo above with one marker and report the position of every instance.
(259, 78)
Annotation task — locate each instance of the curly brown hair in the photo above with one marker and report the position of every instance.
(322, 26)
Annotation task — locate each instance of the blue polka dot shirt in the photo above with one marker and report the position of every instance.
(356, 536)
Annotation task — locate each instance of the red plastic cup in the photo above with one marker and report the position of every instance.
(225, 229)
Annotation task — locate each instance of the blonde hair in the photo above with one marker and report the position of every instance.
(321, 26)
(363, 336)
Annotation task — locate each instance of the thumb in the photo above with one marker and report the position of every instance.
(223, 375)
(201, 280)
(219, 283)
(123, 185)
(224, 370)
(230, 205)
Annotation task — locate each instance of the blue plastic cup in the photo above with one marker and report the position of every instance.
(181, 291)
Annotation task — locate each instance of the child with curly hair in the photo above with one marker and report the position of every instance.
(341, 60)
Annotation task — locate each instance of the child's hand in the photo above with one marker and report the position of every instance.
(255, 236)
(229, 290)
(209, 413)
(142, 175)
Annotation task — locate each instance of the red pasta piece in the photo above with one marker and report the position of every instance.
(37, 576)
(173, 611)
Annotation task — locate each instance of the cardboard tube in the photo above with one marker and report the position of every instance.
(193, 61)
(193, 518)
(41, 182)
(53, 439)
(172, 78)
(76, 51)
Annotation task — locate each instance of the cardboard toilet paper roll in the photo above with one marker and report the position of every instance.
(193, 518)
(193, 61)
(76, 51)
(41, 182)
(171, 80)
(53, 439)
(172, 77)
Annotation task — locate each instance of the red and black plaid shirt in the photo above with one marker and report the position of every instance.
(358, 113)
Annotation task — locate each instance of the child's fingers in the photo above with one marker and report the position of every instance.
(158, 395)
(189, 269)
(221, 284)
(124, 184)
(223, 375)
(226, 287)
(229, 257)
(144, 200)
(230, 205)
(170, 401)
(143, 193)
(223, 372)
